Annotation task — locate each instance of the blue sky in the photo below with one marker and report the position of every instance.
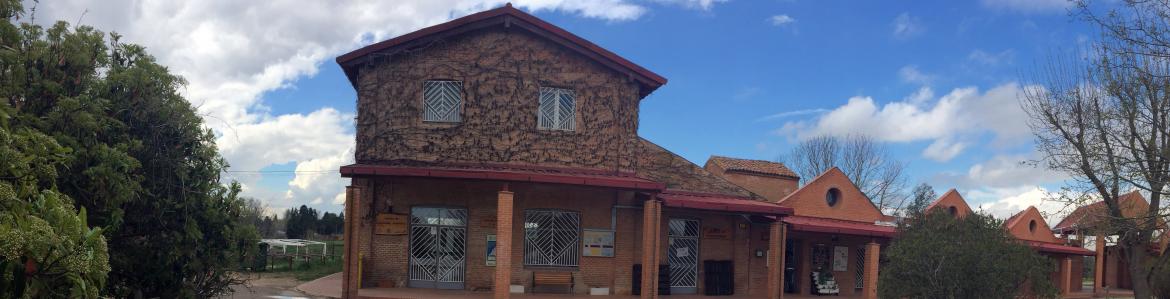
(936, 81)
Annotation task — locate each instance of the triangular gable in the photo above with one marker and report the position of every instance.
(1030, 225)
(1089, 216)
(509, 17)
(951, 202)
(852, 205)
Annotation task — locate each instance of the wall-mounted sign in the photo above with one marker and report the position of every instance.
(491, 251)
(716, 233)
(390, 224)
(597, 243)
(840, 258)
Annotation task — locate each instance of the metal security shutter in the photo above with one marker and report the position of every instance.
(441, 100)
(551, 238)
(438, 247)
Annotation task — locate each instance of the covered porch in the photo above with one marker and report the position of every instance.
(490, 211)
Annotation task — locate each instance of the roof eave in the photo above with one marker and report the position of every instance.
(508, 16)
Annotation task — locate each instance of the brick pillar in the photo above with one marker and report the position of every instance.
(503, 280)
(651, 216)
(872, 252)
(1099, 266)
(1065, 276)
(350, 257)
(776, 260)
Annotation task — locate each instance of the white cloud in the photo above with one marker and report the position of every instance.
(907, 26)
(1004, 171)
(980, 57)
(956, 118)
(233, 52)
(694, 4)
(943, 150)
(911, 74)
(781, 20)
(1005, 202)
(1029, 6)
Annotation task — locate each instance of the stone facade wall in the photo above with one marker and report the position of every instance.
(502, 71)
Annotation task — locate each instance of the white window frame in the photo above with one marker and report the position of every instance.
(557, 109)
(560, 227)
(452, 116)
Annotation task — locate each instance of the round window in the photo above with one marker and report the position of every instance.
(1032, 226)
(833, 196)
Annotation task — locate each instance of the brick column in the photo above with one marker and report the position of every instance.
(350, 257)
(1099, 266)
(651, 216)
(1065, 276)
(503, 280)
(776, 260)
(872, 252)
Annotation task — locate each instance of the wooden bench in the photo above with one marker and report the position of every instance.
(553, 279)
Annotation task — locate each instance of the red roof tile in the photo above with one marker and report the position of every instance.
(716, 202)
(507, 172)
(515, 18)
(825, 225)
(753, 166)
(1058, 248)
(1088, 215)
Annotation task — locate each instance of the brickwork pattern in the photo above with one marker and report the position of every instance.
(851, 206)
(504, 240)
(501, 71)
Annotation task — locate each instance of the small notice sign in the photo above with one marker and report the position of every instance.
(840, 258)
(716, 233)
(597, 243)
(491, 251)
(390, 224)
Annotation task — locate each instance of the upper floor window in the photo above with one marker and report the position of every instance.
(442, 100)
(558, 108)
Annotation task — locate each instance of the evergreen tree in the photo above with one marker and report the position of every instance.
(135, 157)
(939, 256)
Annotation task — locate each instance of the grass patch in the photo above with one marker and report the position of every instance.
(307, 270)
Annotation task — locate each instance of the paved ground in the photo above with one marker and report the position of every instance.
(269, 287)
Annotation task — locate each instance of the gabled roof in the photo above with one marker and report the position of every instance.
(753, 166)
(951, 199)
(660, 165)
(809, 200)
(509, 17)
(1019, 225)
(1088, 216)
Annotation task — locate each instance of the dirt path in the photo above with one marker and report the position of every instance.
(269, 286)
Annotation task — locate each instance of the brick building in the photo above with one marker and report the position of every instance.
(1088, 225)
(500, 152)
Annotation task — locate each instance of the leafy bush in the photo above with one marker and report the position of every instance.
(938, 256)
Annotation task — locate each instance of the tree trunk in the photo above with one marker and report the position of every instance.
(1139, 271)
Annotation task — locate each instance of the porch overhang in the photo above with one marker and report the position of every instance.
(1058, 248)
(834, 226)
(721, 203)
(508, 173)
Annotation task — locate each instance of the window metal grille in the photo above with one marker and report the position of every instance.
(551, 238)
(557, 109)
(683, 256)
(859, 271)
(441, 100)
